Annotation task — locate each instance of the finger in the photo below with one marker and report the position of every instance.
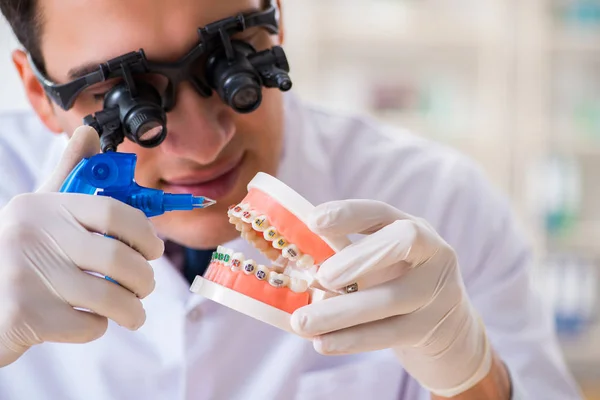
(395, 245)
(109, 257)
(76, 326)
(115, 219)
(397, 297)
(372, 279)
(401, 330)
(347, 217)
(373, 336)
(106, 299)
(84, 143)
(10, 352)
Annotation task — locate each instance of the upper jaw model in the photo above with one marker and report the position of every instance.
(273, 218)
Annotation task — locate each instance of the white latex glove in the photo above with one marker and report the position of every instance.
(410, 298)
(48, 239)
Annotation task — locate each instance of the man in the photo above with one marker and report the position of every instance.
(444, 307)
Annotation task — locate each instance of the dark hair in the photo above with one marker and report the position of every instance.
(26, 23)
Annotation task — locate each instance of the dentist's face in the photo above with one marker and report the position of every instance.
(210, 150)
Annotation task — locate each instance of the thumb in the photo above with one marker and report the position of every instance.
(347, 217)
(84, 143)
(10, 354)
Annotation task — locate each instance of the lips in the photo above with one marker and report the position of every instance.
(215, 183)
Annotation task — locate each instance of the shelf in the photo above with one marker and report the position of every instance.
(396, 26)
(583, 237)
(420, 124)
(583, 354)
(576, 145)
(575, 41)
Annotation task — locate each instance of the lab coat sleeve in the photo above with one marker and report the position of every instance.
(15, 162)
(28, 153)
(496, 264)
(452, 193)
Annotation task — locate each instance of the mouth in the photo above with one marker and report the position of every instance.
(215, 183)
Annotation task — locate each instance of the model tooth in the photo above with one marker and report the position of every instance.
(248, 216)
(239, 226)
(280, 243)
(273, 254)
(234, 220)
(271, 234)
(220, 256)
(281, 261)
(306, 261)
(238, 210)
(260, 244)
(249, 236)
(298, 285)
(246, 227)
(262, 272)
(236, 261)
(261, 223)
(291, 252)
(230, 211)
(249, 267)
(278, 280)
(227, 258)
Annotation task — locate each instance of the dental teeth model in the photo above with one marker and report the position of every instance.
(272, 217)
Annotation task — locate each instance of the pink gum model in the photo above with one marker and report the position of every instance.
(273, 218)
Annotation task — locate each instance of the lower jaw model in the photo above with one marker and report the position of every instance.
(272, 217)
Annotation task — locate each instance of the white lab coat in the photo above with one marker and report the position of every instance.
(192, 348)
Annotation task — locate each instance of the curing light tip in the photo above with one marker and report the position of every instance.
(203, 202)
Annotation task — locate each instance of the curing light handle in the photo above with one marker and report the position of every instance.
(112, 174)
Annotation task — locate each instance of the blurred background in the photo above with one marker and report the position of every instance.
(514, 84)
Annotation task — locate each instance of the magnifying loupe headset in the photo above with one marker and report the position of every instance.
(137, 107)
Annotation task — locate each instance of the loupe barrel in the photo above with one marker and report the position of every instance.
(146, 125)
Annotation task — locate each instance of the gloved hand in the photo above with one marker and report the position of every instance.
(410, 298)
(48, 240)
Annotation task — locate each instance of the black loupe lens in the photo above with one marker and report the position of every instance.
(147, 125)
(245, 98)
(150, 131)
(242, 92)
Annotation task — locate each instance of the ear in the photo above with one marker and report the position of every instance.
(281, 26)
(35, 92)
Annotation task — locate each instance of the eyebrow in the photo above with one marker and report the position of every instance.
(83, 70)
(88, 68)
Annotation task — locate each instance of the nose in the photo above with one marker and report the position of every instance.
(198, 128)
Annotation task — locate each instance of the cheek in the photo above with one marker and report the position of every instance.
(262, 133)
(147, 169)
(264, 128)
(68, 120)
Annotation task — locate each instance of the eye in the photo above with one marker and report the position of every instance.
(98, 91)
(99, 96)
(248, 36)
